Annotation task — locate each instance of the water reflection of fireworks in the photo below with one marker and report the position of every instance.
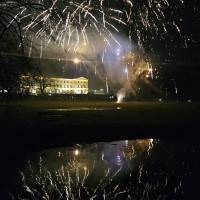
(75, 179)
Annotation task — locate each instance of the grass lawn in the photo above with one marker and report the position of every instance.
(71, 120)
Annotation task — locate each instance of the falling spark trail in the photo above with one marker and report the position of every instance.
(59, 20)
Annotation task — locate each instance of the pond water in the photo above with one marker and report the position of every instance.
(85, 109)
(129, 169)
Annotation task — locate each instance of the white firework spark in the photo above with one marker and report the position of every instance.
(68, 23)
(72, 24)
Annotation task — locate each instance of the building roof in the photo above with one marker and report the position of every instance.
(79, 78)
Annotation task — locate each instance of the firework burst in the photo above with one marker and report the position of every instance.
(72, 24)
(151, 20)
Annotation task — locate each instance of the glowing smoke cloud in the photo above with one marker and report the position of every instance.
(113, 59)
(124, 64)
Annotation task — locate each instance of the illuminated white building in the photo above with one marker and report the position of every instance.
(54, 85)
(69, 86)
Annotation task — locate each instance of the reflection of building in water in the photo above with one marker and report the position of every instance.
(39, 85)
(121, 151)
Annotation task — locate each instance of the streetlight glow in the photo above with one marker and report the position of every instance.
(76, 60)
(76, 152)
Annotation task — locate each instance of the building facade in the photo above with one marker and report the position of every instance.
(40, 85)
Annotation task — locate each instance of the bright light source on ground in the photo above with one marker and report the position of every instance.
(120, 98)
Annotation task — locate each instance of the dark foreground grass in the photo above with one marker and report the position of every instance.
(56, 122)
